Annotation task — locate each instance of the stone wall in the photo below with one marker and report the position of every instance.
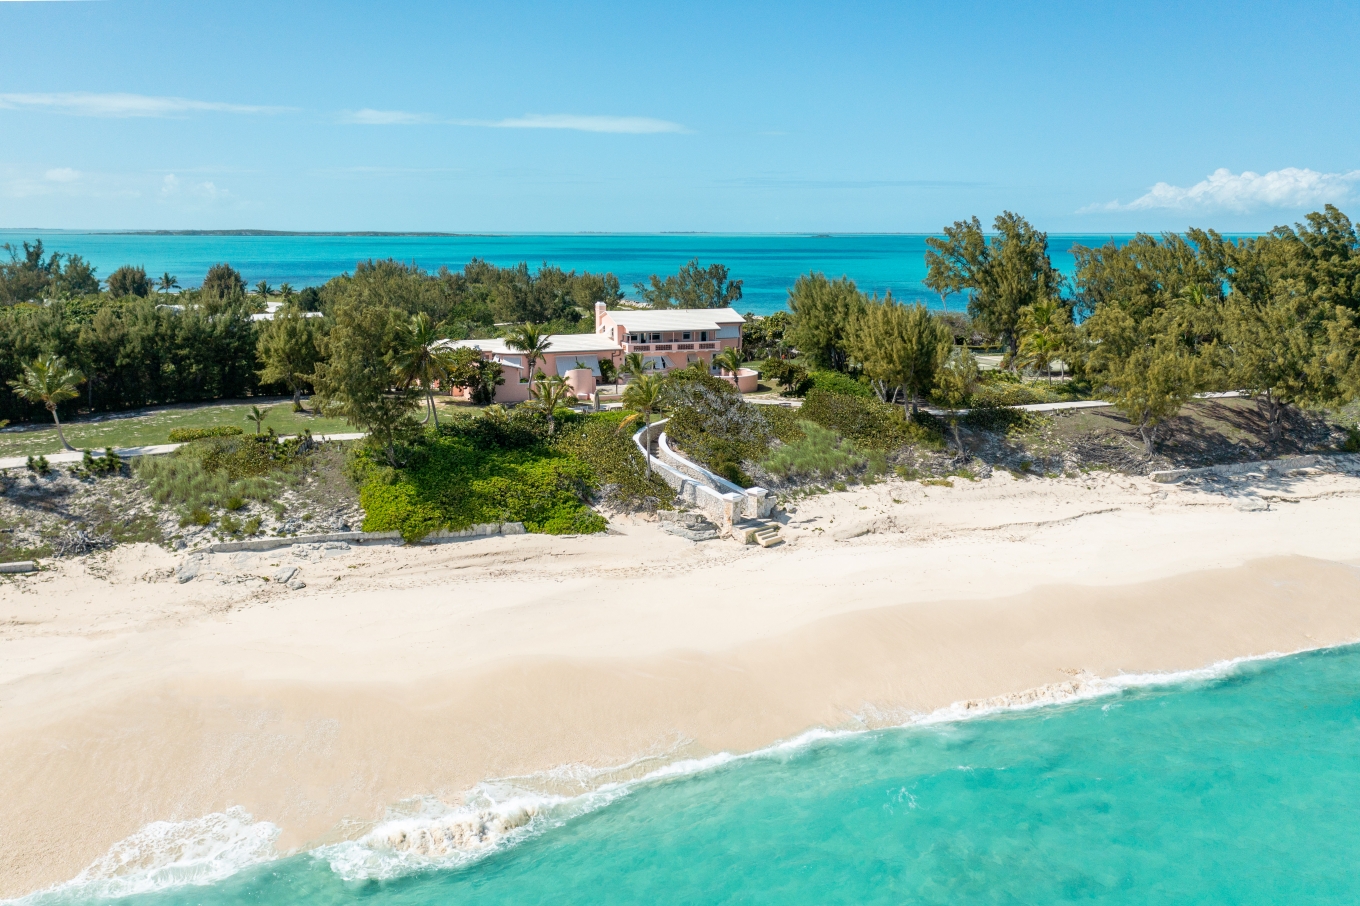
(723, 501)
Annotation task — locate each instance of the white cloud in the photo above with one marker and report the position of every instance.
(1242, 192)
(172, 187)
(84, 103)
(370, 117)
(629, 124)
(62, 174)
(210, 191)
(637, 125)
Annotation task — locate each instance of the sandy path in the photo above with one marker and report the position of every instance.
(126, 697)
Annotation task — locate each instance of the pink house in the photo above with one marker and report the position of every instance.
(667, 339)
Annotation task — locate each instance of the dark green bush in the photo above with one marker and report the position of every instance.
(835, 382)
(107, 464)
(793, 376)
(184, 435)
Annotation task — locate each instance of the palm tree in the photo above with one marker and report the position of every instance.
(168, 282)
(49, 381)
(729, 360)
(644, 397)
(1043, 325)
(264, 290)
(1037, 350)
(635, 365)
(286, 292)
(528, 339)
(552, 392)
(419, 357)
(257, 415)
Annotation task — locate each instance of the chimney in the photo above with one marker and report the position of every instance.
(600, 309)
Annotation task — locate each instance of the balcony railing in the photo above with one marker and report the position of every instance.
(640, 348)
(708, 345)
(683, 346)
(663, 347)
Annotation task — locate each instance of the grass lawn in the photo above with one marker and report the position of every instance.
(153, 426)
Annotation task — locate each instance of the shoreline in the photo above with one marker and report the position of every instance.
(126, 698)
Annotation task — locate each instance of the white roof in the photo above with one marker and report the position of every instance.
(262, 316)
(675, 318)
(558, 343)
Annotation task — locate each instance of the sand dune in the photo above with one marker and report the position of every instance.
(127, 697)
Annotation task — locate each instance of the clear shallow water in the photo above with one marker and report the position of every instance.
(1241, 788)
(768, 264)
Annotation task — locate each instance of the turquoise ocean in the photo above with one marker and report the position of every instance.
(1238, 784)
(767, 264)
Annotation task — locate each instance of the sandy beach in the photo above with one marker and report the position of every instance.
(127, 697)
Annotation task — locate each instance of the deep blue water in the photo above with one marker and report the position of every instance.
(767, 264)
(1241, 787)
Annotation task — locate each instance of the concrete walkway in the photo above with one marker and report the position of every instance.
(66, 457)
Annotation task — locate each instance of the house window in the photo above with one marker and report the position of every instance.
(686, 335)
(656, 338)
(703, 335)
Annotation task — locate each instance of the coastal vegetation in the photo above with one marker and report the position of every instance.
(1150, 325)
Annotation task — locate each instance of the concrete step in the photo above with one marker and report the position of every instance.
(766, 534)
(768, 537)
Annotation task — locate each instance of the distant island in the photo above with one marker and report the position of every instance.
(286, 233)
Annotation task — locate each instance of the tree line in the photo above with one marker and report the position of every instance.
(1147, 323)
(141, 341)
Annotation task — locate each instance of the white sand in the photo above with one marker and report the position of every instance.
(126, 697)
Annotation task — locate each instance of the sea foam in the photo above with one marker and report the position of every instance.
(170, 854)
(426, 833)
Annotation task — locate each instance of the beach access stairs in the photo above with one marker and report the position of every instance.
(731, 507)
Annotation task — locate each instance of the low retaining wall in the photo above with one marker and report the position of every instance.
(480, 530)
(1288, 464)
(269, 544)
(21, 566)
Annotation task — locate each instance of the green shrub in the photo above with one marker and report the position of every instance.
(453, 481)
(793, 376)
(200, 516)
(821, 453)
(219, 471)
(783, 422)
(1352, 442)
(620, 474)
(835, 382)
(711, 422)
(106, 464)
(252, 525)
(869, 423)
(996, 418)
(184, 435)
(229, 525)
(39, 464)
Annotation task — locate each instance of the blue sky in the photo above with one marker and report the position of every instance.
(834, 117)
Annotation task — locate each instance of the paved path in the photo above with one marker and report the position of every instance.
(73, 456)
